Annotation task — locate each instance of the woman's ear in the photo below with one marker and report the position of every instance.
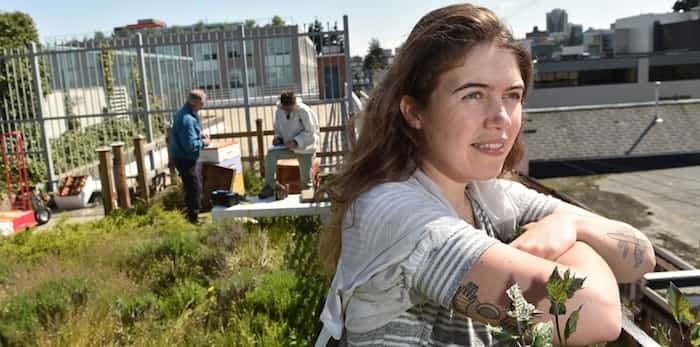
(409, 111)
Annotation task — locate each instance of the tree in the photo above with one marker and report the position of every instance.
(250, 23)
(278, 21)
(17, 31)
(375, 58)
(685, 5)
(99, 36)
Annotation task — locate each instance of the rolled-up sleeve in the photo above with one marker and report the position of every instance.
(441, 264)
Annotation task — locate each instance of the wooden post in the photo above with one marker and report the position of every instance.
(120, 175)
(142, 173)
(174, 178)
(261, 148)
(106, 179)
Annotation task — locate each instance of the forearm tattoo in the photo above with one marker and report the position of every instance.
(627, 240)
(466, 301)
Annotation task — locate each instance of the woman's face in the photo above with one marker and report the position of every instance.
(473, 116)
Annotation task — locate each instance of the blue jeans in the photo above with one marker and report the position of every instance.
(305, 161)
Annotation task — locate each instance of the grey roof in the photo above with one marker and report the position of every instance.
(612, 131)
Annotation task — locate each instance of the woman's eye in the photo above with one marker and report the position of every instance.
(514, 96)
(474, 95)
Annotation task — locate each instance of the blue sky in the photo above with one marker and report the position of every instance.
(390, 21)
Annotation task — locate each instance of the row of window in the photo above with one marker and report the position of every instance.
(234, 49)
(583, 78)
(615, 76)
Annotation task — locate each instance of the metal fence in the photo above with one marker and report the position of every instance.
(70, 98)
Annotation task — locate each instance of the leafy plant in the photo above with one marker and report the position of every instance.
(522, 331)
(682, 314)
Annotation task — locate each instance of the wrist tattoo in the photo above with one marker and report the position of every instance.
(627, 240)
(466, 300)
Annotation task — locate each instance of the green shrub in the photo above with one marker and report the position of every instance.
(176, 257)
(226, 235)
(31, 247)
(172, 199)
(274, 294)
(22, 314)
(134, 308)
(250, 328)
(67, 240)
(4, 272)
(186, 294)
(225, 296)
(253, 181)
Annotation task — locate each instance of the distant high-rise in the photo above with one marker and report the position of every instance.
(557, 21)
(575, 34)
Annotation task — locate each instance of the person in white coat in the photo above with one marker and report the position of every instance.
(296, 136)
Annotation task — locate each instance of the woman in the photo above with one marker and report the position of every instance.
(426, 221)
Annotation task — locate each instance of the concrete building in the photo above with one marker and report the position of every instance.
(536, 36)
(557, 21)
(635, 35)
(277, 58)
(615, 80)
(332, 76)
(74, 69)
(598, 43)
(646, 48)
(575, 35)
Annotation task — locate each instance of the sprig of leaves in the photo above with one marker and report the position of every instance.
(559, 290)
(680, 309)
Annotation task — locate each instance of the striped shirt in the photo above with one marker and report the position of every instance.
(430, 275)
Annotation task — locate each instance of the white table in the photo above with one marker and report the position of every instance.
(291, 206)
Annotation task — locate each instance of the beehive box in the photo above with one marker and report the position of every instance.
(220, 151)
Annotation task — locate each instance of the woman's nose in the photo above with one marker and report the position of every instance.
(498, 113)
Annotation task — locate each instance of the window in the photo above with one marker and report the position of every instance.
(234, 49)
(204, 51)
(674, 72)
(585, 78)
(278, 46)
(168, 50)
(236, 78)
(278, 75)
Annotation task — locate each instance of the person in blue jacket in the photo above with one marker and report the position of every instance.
(186, 140)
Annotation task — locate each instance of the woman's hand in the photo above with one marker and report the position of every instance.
(549, 237)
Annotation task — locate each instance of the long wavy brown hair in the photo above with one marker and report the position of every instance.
(386, 147)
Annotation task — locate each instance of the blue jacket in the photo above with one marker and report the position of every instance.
(186, 135)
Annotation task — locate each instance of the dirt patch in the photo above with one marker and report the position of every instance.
(616, 206)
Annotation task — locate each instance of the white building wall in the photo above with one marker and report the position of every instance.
(640, 37)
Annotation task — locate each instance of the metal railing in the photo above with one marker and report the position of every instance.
(71, 97)
(648, 307)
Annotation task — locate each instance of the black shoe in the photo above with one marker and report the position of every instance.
(266, 192)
